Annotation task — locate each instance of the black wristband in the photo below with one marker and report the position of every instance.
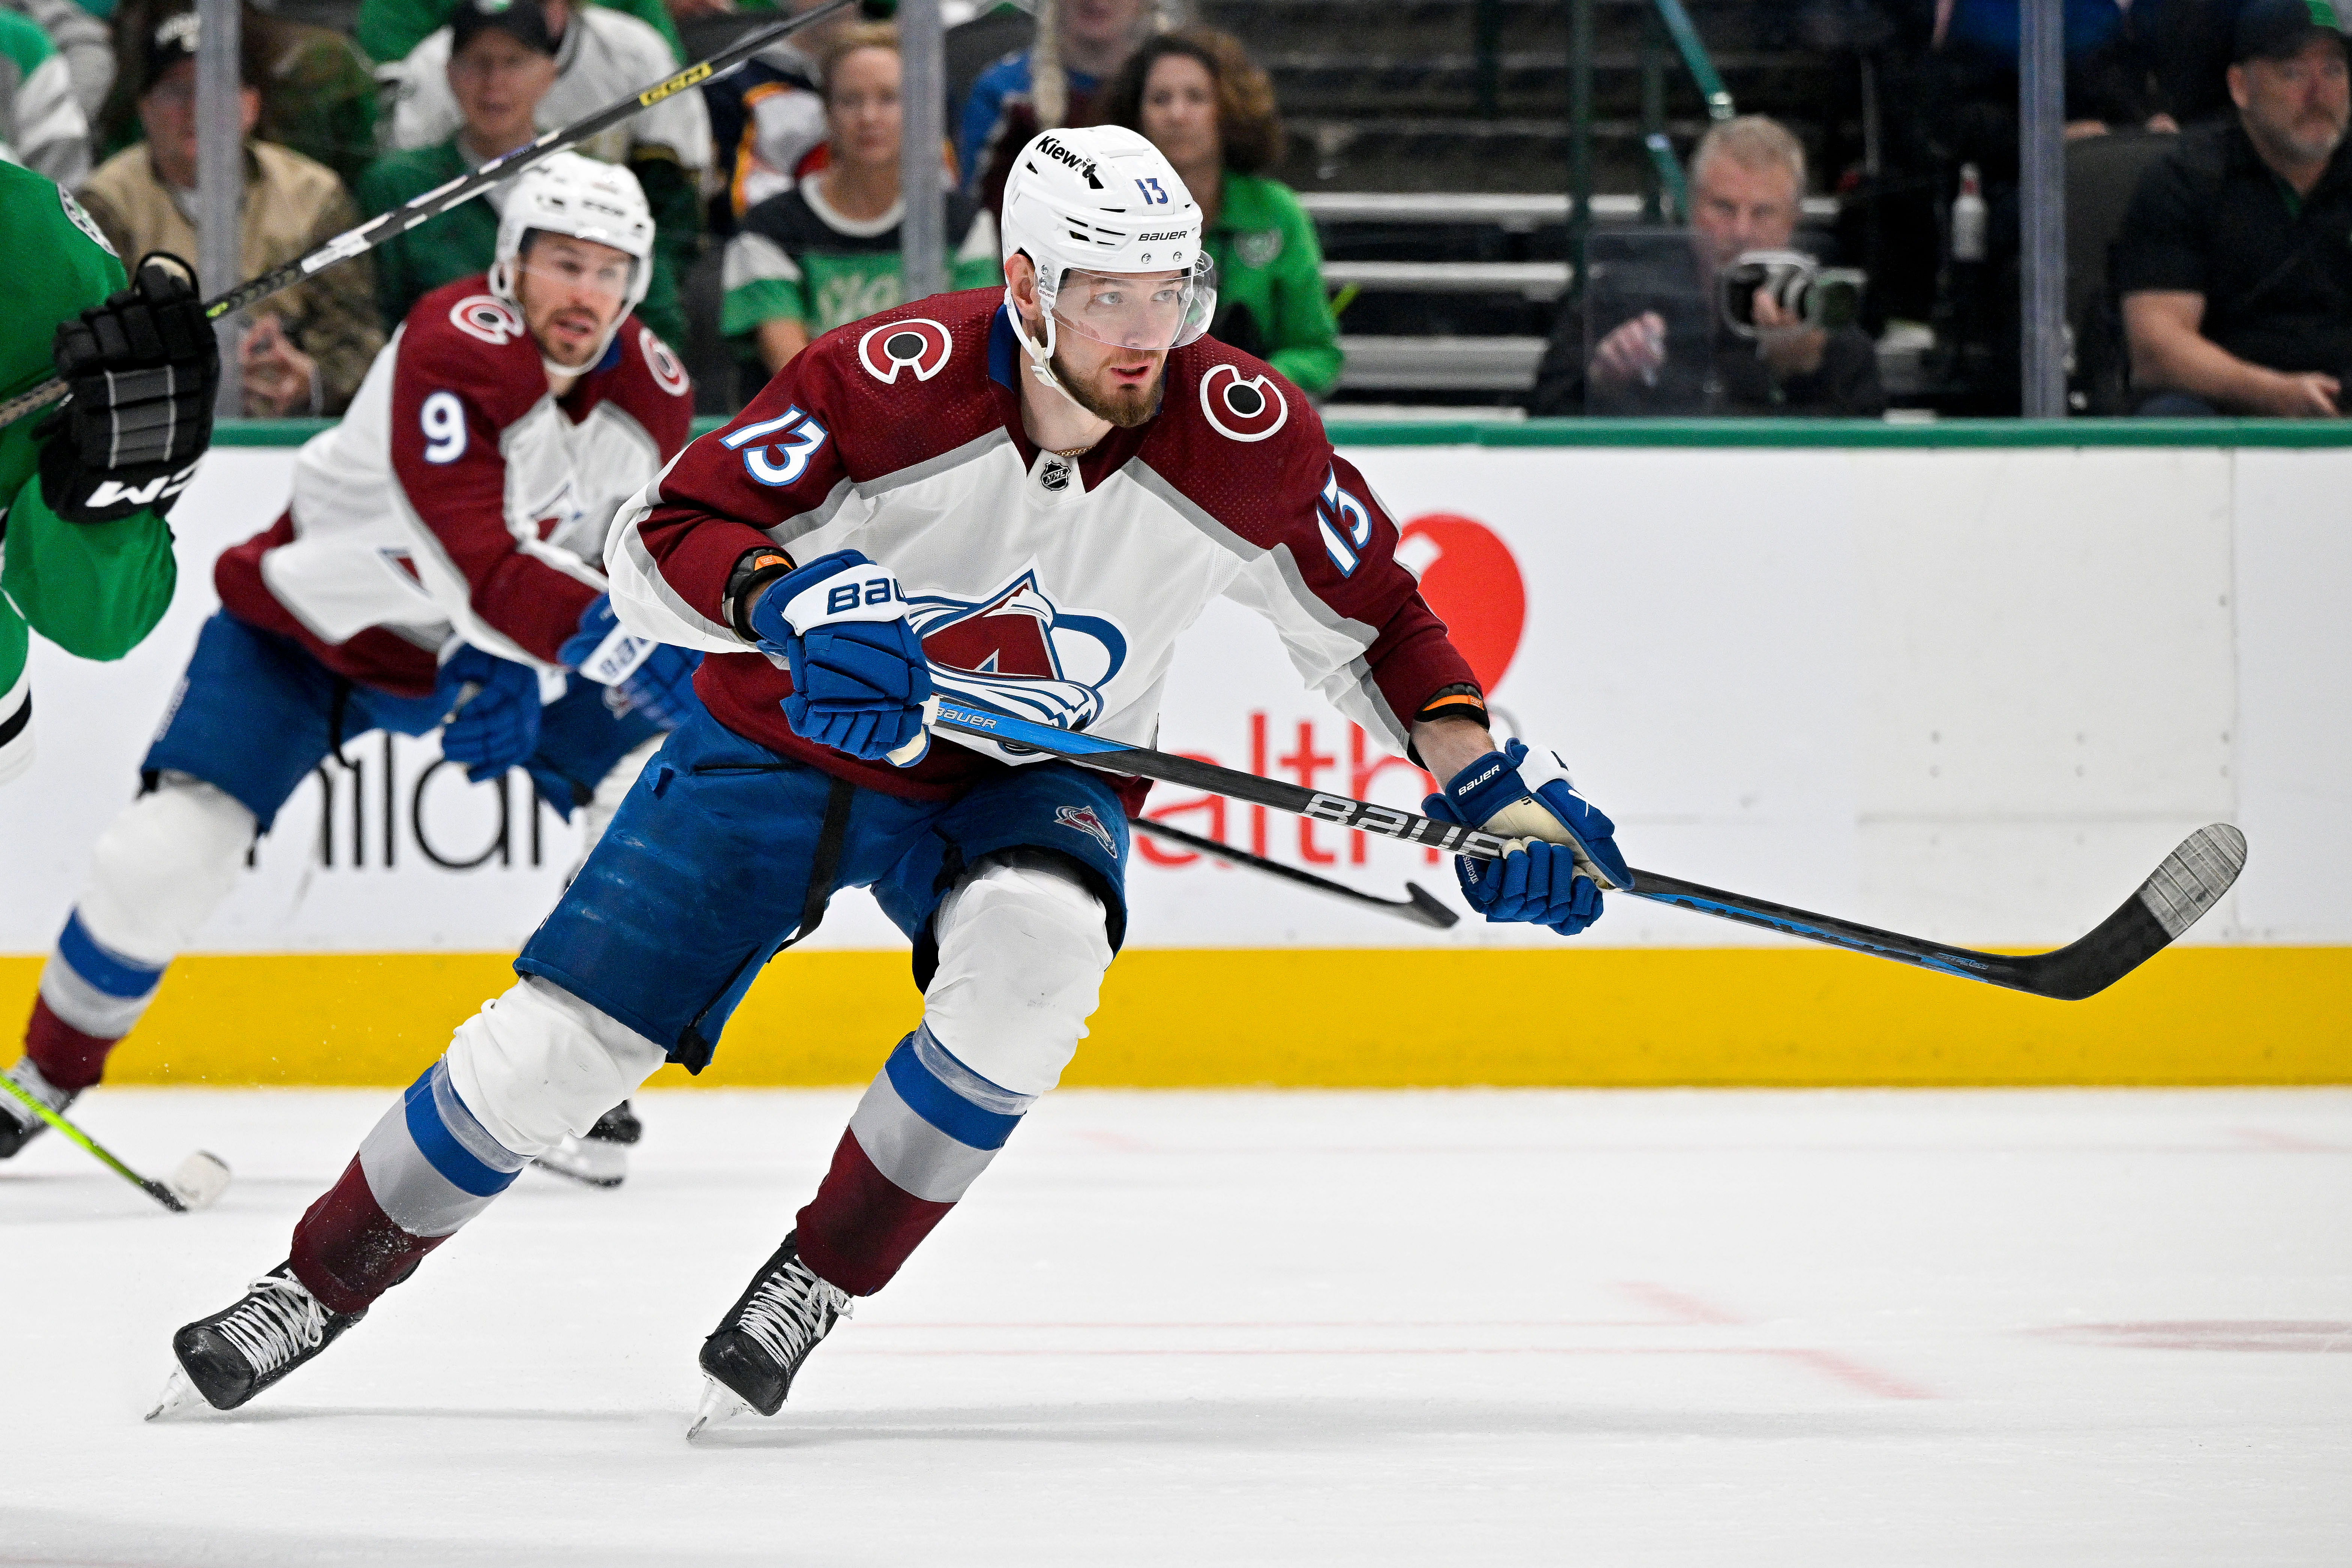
(754, 570)
(1459, 701)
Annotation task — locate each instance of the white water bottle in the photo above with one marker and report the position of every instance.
(1968, 217)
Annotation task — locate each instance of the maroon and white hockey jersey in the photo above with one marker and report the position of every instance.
(1053, 589)
(459, 496)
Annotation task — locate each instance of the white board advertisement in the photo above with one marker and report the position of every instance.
(1972, 694)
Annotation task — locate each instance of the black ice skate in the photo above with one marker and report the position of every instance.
(601, 1158)
(231, 1356)
(757, 1349)
(18, 1125)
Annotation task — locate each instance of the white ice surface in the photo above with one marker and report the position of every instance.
(1185, 1329)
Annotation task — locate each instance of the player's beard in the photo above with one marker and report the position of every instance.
(1125, 407)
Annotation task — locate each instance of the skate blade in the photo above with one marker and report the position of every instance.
(588, 1160)
(721, 1406)
(200, 1181)
(179, 1396)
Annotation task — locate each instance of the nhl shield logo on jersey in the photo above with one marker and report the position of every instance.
(921, 345)
(1017, 649)
(1242, 409)
(1084, 819)
(486, 317)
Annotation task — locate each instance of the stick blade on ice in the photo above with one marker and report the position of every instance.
(200, 1181)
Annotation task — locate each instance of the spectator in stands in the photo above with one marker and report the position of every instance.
(80, 37)
(2235, 277)
(827, 251)
(309, 345)
(390, 30)
(1081, 43)
(41, 126)
(1205, 103)
(318, 92)
(601, 57)
(767, 116)
(501, 64)
(1678, 356)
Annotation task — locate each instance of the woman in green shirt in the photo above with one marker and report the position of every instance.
(827, 252)
(1207, 106)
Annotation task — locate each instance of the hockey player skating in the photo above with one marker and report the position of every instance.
(441, 553)
(85, 555)
(1024, 498)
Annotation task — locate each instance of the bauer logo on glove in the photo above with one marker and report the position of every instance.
(859, 675)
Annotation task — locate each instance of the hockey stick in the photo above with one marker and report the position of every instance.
(2189, 881)
(1419, 905)
(432, 204)
(200, 1180)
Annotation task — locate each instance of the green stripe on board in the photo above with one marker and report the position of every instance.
(1850, 433)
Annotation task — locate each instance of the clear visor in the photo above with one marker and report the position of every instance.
(1147, 310)
(605, 272)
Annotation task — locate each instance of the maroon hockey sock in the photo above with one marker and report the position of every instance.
(861, 1225)
(67, 1057)
(348, 1251)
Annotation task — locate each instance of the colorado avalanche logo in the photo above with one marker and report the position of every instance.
(921, 345)
(1242, 410)
(668, 374)
(486, 317)
(1084, 819)
(1018, 650)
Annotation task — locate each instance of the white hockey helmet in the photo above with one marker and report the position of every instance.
(568, 194)
(1100, 200)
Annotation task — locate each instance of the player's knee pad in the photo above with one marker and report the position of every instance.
(1022, 953)
(538, 1063)
(162, 866)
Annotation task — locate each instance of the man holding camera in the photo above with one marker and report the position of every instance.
(1676, 352)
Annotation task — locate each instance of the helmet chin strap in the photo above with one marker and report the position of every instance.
(1041, 359)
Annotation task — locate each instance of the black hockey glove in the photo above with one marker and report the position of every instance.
(144, 370)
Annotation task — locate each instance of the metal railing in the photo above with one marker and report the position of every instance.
(1665, 194)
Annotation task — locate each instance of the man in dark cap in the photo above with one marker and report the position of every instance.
(503, 63)
(2235, 262)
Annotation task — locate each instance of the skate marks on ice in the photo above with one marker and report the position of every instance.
(1290, 1422)
(1148, 1344)
(62, 1538)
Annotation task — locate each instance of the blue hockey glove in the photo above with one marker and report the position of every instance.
(495, 726)
(652, 679)
(859, 676)
(1571, 851)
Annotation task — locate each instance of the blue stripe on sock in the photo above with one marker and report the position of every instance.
(106, 971)
(940, 1105)
(440, 1146)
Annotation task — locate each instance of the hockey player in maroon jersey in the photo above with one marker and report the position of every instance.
(442, 551)
(1019, 499)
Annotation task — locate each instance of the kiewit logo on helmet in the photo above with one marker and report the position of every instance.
(1064, 155)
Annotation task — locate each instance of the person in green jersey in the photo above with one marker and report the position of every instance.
(828, 251)
(501, 63)
(85, 555)
(1210, 111)
(389, 30)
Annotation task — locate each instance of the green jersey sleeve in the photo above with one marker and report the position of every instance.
(94, 591)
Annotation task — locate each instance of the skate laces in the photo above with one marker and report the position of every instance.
(791, 1311)
(274, 1323)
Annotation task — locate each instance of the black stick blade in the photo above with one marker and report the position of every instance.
(2190, 881)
